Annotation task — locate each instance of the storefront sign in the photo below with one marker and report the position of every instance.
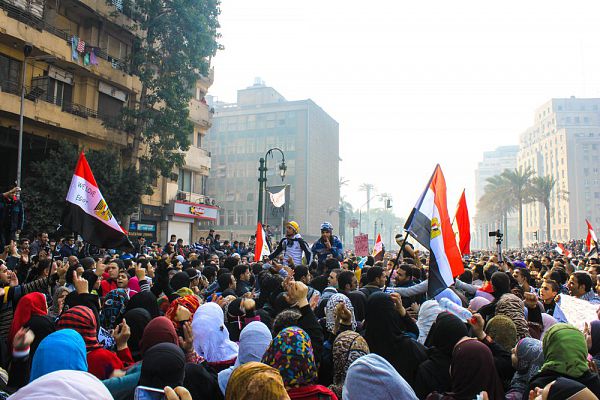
(147, 230)
(193, 210)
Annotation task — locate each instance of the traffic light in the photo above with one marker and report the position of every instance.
(535, 235)
(388, 203)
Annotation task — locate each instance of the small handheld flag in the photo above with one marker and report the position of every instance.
(261, 247)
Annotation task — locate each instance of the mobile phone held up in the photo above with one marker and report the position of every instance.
(148, 393)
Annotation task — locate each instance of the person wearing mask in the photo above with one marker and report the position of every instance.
(292, 246)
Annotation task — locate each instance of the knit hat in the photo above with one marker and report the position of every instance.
(294, 226)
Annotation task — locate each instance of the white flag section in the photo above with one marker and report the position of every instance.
(278, 199)
(261, 245)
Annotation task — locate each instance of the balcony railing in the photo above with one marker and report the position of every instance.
(31, 20)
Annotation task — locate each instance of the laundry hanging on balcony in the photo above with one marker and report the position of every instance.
(74, 43)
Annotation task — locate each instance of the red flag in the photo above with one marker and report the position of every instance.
(463, 225)
(87, 213)
(561, 249)
(591, 241)
(261, 247)
(378, 249)
(429, 223)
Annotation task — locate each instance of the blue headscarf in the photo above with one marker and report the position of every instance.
(63, 349)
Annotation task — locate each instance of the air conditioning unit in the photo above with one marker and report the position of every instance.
(212, 202)
(182, 196)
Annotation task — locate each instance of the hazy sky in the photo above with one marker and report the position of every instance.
(413, 83)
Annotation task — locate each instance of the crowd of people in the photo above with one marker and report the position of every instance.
(205, 321)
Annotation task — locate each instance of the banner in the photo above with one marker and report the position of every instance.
(361, 245)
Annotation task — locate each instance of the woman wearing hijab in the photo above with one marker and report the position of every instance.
(527, 359)
(137, 319)
(373, 377)
(565, 354)
(503, 331)
(500, 284)
(101, 362)
(390, 332)
(114, 308)
(592, 338)
(291, 353)
(211, 338)
(514, 308)
(146, 300)
(256, 381)
(58, 301)
(163, 365)
(64, 349)
(332, 319)
(64, 384)
(563, 388)
(477, 302)
(472, 371)
(428, 312)
(347, 348)
(434, 373)
(254, 341)
(181, 310)
(29, 305)
(238, 313)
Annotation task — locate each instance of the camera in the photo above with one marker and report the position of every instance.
(496, 233)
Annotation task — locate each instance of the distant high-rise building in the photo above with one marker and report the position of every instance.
(244, 131)
(564, 142)
(493, 163)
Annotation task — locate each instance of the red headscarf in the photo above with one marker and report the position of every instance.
(190, 302)
(29, 305)
(159, 330)
(83, 320)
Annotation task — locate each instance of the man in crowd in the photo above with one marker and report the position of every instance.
(292, 246)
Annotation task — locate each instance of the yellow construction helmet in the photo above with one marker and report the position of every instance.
(294, 226)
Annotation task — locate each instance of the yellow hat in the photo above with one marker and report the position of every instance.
(294, 226)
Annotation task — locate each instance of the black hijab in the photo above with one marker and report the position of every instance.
(387, 334)
(41, 326)
(163, 365)
(137, 319)
(201, 382)
(147, 301)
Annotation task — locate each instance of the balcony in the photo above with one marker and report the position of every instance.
(197, 160)
(200, 113)
(113, 12)
(34, 30)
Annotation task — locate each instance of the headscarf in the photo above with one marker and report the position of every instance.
(564, 388)
(29, 305)
(595, 333)
(137, 319)
(146, 300)
(373, 377)
(428, 312)
(64, 349)
(513, 307)
(211, 338)
(201, 382)
(41, 326)
(64, 385)
(530, 359)
(81, 319)
(446, 331)
(292, 354)
(503, 330)
(114, 308)
(473, 370)
(450, 295)
(255, 338)
(548, 322)
(330, 311)
(163, 365)
(477, 302)
(255, 381)
(54, 311)
(190, 302)
(159, 330)
(565, 351)
(347, 348)
(180, 280)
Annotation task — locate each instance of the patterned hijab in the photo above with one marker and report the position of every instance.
(347, 348)
(530, 359)
(114, 307)
(292, 354)
(190, 302)
(81, 319)
(256, 381)
(565, 351)
(513, 307)
(330, 311)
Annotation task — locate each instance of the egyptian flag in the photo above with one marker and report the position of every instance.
(261, 247)
(462, 225)
(562, 250)
(378, 249)
(591, 241)
(429, 223)
(87, 213)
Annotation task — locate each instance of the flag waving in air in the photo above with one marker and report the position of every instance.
(561, 249)
(87, 213)
(261, 247)
(429, 223)
(463, 225)
(591, 241)
(378, 248)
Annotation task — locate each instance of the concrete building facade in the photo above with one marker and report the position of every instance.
(494, 163)
(76, 78)
(243, 132)
(564, 142)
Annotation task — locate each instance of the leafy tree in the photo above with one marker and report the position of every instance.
(541, 191)
(497, 201)
(45, 190)
(519, 187)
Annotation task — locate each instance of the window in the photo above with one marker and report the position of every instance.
(10, 72)
(199, 186)
(108, 106)
(230, 217)
(184, 181)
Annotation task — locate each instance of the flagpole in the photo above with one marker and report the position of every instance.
(387, 282)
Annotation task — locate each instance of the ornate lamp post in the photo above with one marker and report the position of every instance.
(262, 178)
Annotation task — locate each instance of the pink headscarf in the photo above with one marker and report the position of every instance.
(477, 302)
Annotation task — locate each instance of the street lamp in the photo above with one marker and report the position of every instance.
(27, 49)
(262, 178)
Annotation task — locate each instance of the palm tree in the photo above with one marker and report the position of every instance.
(541, 191)
(519, 187)
(496, 202)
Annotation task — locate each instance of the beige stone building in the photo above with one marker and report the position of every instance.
(76, 77)
(564, 142)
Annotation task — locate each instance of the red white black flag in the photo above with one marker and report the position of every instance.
(87, 213)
